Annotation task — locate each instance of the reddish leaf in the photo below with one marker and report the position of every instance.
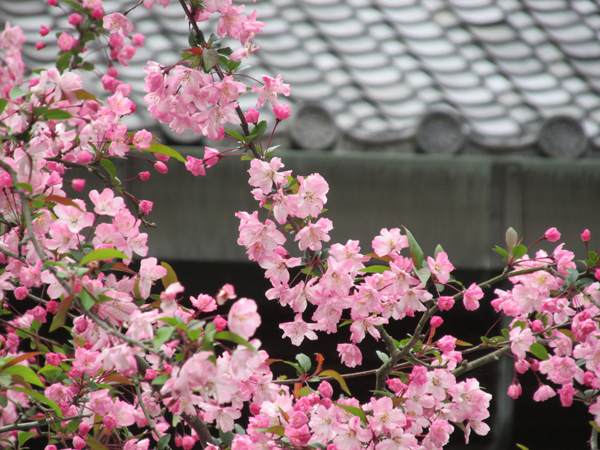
(297, 387)
(62, 200)
(320, 360)
(117, 378)
(337, 377)
(194, 51)
(20, 358)
(385, 258)
(61, 315)
(123, 268)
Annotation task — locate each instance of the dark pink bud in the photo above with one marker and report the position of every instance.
(75, 19)
(98, 13)
(150, 374)
(445, 303)
(161, 167)
(552, 235)
(21, 292)
(325, 389)
(53, 2)
(44, 30)
(220, 323)
(436, 322)
(585, 236)
(78, 183)
(144, 176)
(39, 45)
(161, 157)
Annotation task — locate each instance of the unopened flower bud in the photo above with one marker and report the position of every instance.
(21, 292)
(436, 321)
(144, 175)
(39, 45)
(75, 19)
(325, 389)
(220, 323)
(552, 235)
(585, 236)
(78, 184)
(515, 390)
(98, 13)
(84, 428)
(146, 206)
(53, 2)
(161, 157)
(160, 167)
(150, 374)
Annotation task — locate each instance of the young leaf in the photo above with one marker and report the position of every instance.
(539, 350)
(163, 442)
(511, 239)
(170, 277)
(304, 361)
(155, 147)
(57, 114)
(3, 104)
(337, 377)
(61, 315)
(25, 436)
(27, 373)
(500, 250)
(382, 356)
(375, 269)
(354, 410)
(232, 337)
(519, 251)
(102, 254)
(259, 129)
(415, 250)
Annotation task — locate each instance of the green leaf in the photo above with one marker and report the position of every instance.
(209, 335)
(87, 300)
(57, 114)
(25, 436)
(234, 134)
(519, 251)
(16, 92)
(415, 250)
(594, 425)
(304, 361)
(3, 104)
(337, 377)
(438, 250)
(500, 250)
(3, 401)
(27, 373)
(155, 147)
(170, 277)
(109, 167)
(275, 429)
(46, 401)
(382, 356)
(506, 333)
(232, 337)
(163, 442)
(61, 315)
(354, 410)
(539, 350)
(25, 186)
(210, 58)
(522, 447)
(511, 238)
(163, 334)
(304, 391)
(102, 254)
(160, 380)
(259, 129)
(63, 62)
(95, 444)
(424, 273)
(375, 269)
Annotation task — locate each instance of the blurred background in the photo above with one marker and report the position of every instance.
(456, 119)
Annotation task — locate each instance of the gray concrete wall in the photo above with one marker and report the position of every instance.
(465, 203)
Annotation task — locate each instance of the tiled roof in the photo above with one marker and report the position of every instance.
(491, 72)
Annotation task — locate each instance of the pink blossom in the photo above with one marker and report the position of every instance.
(298, 330)
(263, 174)
(440, 267)
(118, 23)
(268, 92)
(521, 340)
(350, 354)
(78, 442)
(21, 293)
(312, 195)
(282, 112)
(146, 206)
(445, 303)
(149, 273)
(471, 297)
(195, 165)
(243, 319)
(312, 234)
(66, 42)
(142, 139)
(514, 390)
(543, 393)
(389, 242)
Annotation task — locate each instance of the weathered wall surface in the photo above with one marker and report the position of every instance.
(464, 203)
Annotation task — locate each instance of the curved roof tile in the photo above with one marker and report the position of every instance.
(504, 66)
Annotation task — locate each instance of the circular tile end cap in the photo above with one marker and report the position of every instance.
(440, 132)
(563, 137)
(313, 128)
